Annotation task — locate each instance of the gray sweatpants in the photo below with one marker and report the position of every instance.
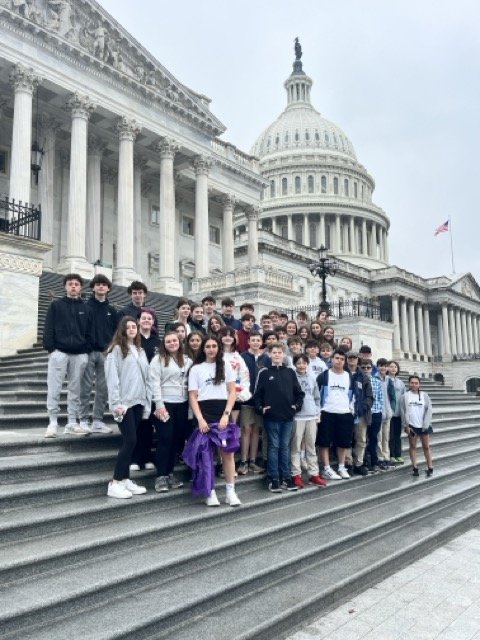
(95, 368)
(72, 366)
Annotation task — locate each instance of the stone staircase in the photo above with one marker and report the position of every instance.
(76, 564)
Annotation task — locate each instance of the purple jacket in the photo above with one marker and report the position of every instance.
(199, 451)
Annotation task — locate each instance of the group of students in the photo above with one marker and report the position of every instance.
(215, 384)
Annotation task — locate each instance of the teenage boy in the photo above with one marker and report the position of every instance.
(195, 321)
(302, 319)
(269, 338)
(294, 346)
(362, 390)
(336, 424)
(277, 398)
(104, 323)
(67, 337)
(138, 293)
(227, 314)
(375, 425)
(282, 319)
(317, 365)
(305, 425)
(266, 323)
(274, 317)
(247, 307)
(389, 405)
(281, 334)
(209, 307)
(326, 352)
(243, 334)
(365, 353)
(251, 423)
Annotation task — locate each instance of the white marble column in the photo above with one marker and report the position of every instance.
(124, 271)
(228, 251)
(338, 236)
(306, 230)
(353, 239)
(139, 165)
(458, 325)
(446, 333)
(426, 326)
(346, 248)
(412, 332)
(420, 331)
(387, 258)
(396, 324)
(476, 344)
(290, 227)
(463, 321)
(65, 177)
(252, 213)
(323, 240)
(75, 260)
(441, 347)
(46, 184)
(364, 238)
(404, 326)
(94, 203)
(201, 247)
(24, 82)
(470, 333)
(274, 225)
(453, 331)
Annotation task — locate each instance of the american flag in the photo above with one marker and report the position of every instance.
(442, 228)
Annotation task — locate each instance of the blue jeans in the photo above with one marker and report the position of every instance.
(372, 436)
(279, 435)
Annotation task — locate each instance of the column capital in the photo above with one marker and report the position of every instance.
(202, 165)
(167, 147)
(24, 79)
(252, 213)
(127, 128)
(228, 201)
(139, 162)
(95, 145)
(80, 106)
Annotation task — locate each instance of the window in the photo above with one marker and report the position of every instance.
(297, 136)
(363, 192)
(345, 187)
(298, 184)
(299, 233)
(311, 184)
(214, 234)
(277, 139)
(4, 161)
(272, 188)
(284, 186)
(307, 136)
(155, 215)
(323, 183)
(188, 226)
(355, 190)
(286, 137)
(335, 186)
(317, 136)
(313, 234)
(327, 139)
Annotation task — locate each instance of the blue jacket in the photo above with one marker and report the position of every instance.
(254, 367)
(363, 394)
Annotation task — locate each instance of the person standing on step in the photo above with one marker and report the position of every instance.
(169, 374)
(68, 339)
(211, 390)
(396, 420)
(196, 318)
(181, 316)
(336, 422)
(416, 413)
(375, 423)
(227, 314)
(278, 396)
(104, 324)
(138, 292)
(129, 399)
(389, 400)
(142, 457)
(363, 394)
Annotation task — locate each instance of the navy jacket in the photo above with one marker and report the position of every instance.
(231, 322)
(279, 389)
(254, 367)
(68, 326)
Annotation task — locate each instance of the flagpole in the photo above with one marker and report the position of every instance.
(451, 245)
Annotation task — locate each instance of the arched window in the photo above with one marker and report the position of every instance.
(269, 142)
(299, 233)
(311, 184)
(307, 135)
(327, 139)
(363, 192)
(297, 136)
(284, 186)
(335, 186)
(335, 142)
(298, 184)
(355, 190)
(345, 187)
(277, 139)
(323, 184)
(286, 137)
(317, 136)
(272, 188)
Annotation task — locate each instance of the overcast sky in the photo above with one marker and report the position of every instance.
(400, 77)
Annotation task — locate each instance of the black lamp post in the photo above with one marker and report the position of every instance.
(36, 151)
(324, 267)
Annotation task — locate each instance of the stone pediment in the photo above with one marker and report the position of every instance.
(84, 26)
(467, 286)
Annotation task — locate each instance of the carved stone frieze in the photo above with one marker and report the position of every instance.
(20, 264)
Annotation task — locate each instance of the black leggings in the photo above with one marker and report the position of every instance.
(168, 434)
(128, 428)
(395, 437)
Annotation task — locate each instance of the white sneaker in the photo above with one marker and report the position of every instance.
(149, 466)
(329, 474)
(100, 427)
(85, 424)
(133, 487)
(134, 467)
(118, 490)
(72, 428)
(343, 473)
(51, 431)
(212, 500)
(232, 499)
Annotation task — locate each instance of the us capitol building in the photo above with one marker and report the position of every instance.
(133, 180)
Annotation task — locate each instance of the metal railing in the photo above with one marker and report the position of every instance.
(20, 219)
(348, 309)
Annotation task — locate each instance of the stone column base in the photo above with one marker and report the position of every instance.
(76, 264)
(124, 276)
(168, 286)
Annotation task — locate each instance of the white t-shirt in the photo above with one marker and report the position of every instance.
(416, 409)
(336, 394)
(201, 379)
(317, 366)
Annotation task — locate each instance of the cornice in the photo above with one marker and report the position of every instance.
(297, 203)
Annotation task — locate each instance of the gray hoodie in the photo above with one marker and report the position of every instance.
(311, 402)
(128, 380)
(169, 383)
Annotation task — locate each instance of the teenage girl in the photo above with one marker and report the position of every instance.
(416, 412)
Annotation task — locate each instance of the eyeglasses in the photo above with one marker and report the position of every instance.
(366, 367)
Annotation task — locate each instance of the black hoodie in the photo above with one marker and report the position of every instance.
(279, 389)
(68, 326)
(105, 320)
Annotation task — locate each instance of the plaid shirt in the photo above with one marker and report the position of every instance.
(377, 389)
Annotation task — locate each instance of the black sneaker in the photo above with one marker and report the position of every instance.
(429, 472)
(289, 485)
(415, 473)
(274, 486)
(360, 471)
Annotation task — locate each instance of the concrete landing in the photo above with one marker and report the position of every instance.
(435, 598)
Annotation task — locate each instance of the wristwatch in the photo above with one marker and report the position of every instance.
(226, 413)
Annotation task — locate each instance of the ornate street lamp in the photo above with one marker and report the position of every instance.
(324, 267)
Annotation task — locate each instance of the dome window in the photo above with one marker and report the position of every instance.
(311, 184)
(313, 234)
(298, 184)
(272, 188)
(335, 186)
(297, 136)
(284, 186)
(345, 187)
(355, 190)
(307, 136)
(323, 184)
(277, 140)
(327, 139)
(269, 142)
(317, 136)
(335, 141)
(299, 233)
(286, 137)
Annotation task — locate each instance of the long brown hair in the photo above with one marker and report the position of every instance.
(166, 355)
(120, 337)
